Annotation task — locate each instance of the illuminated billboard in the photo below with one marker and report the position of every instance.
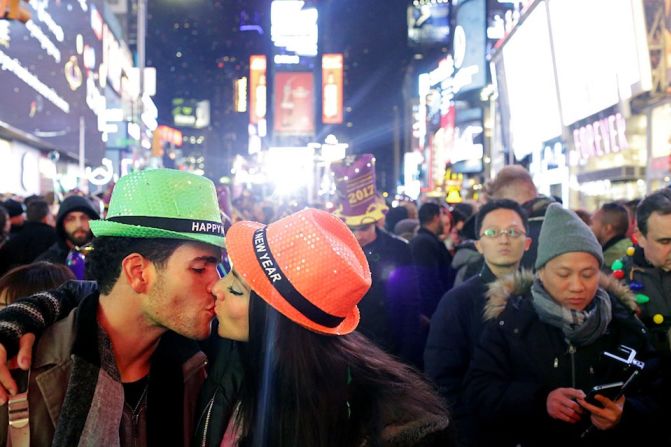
(191, 113)
(429, 24)
(591, 80)
(294, 103)
(294, 29)
(61, 66)
(257, 88)
(529, 76)
(332, 88)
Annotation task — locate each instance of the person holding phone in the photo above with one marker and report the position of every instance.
(539, 352)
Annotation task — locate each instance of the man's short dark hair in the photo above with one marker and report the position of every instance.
(427, 212)
(499, 204)
(103, 264)
(614, 214)
(656, 202)
(37, 210)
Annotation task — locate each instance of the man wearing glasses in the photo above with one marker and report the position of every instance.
(501, 226)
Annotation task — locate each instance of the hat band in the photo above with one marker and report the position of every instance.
(280, 282)
(173, 224)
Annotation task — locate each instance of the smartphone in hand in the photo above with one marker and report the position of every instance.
(612, 391)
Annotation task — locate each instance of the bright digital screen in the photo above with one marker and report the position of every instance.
(469, 46)
(530, 84)
(601, 54)
(294, 28)
(49, 74)
(332, 88)
(294, 103)
(429, 24)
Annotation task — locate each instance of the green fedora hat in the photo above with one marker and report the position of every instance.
(163, 203)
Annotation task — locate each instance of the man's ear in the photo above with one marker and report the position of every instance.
(527, 243)
(609, 229)
(477, 246)
(137, 271)
(640, 238)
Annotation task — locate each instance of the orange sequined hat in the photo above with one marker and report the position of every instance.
(308, 266)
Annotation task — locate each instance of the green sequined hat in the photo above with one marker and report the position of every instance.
(163, 203)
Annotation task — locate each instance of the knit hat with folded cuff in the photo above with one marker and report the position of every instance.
(564, 232)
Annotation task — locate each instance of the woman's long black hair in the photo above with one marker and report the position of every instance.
(306, 389)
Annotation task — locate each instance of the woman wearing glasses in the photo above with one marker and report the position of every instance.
(542, 346)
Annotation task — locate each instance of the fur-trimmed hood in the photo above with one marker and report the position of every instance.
(519, 283)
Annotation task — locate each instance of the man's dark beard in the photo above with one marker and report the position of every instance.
(79, 241)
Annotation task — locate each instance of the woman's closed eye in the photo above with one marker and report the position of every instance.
(235, 292)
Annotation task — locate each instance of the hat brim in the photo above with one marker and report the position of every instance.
(375, 212)
(240, 248)
(116, 229)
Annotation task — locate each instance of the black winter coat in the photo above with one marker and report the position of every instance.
(56, 254)
(521, 359)
(26, 245)
(655, 283)
(455, 329)
(434, 269)
(390, 308)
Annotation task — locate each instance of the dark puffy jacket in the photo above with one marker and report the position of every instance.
(434, 271)
(455, 329)
(521, 359)
(26, 245)
(654, 283)
(390, 308)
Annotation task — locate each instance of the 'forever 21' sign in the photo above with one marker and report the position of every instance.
(601, 136)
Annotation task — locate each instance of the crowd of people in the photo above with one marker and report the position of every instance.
(363, 324)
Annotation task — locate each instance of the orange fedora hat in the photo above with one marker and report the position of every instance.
(308, 266)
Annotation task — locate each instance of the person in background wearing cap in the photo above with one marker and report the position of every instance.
(36, 236)
(73, 229)
(457, 323)
(610, 225)
(123, 367)
(307, 379)
(539, 350)
(646, 269)
(390, 310)
(16, 215)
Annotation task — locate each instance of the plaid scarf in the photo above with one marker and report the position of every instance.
(579, 327)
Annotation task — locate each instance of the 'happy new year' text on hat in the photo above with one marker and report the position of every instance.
(308, 266)
(163, 203)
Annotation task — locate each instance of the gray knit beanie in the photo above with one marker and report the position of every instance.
(563, 232)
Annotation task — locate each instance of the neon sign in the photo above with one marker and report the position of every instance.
(14, 66)
(601, 137)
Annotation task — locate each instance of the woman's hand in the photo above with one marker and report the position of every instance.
(607, 417)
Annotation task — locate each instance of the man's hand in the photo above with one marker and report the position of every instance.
(607, 417)
(22, 360)
(561, 404)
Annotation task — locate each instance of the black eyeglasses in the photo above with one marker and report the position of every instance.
(494, 233)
